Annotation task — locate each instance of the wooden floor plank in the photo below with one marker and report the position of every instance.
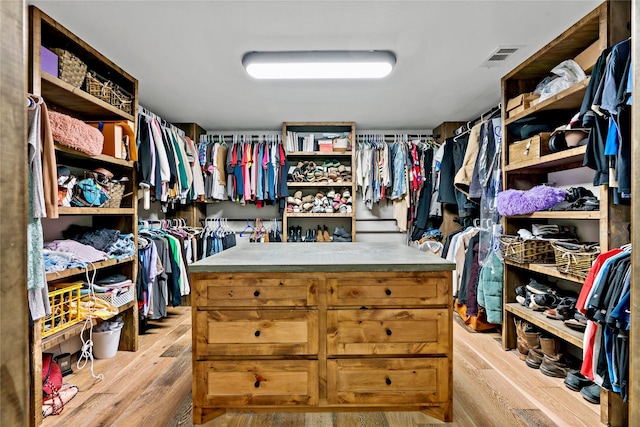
(170, 385)
(492, 387)
(360, 419)
(318, 419)
(533, 418)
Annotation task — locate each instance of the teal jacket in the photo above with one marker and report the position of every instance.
(490, 288)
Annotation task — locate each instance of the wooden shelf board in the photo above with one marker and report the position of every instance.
(548, 269)
(100, 157)
(70, 332)
(319, 153)
(72, 98)
(555, 327)
(320, 184)
(570, 98)
(566, 157)
(560, 215)
(95, 211)
(63, 335)
(76, 271)
(318, 215)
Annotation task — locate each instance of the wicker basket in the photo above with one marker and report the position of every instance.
(121, 100)
(575, 260)
(70, 68)
(108, 91)
(116, 193)
(98, 87)
(514, 248)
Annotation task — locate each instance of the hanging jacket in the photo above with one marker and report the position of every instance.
(490, 288)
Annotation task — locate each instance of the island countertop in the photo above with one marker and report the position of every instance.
(326, 257)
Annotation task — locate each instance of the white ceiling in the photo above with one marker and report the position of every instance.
(187, 55)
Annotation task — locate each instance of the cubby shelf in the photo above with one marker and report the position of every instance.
(70, 272)
(605, 26)
(346, 158)
(552, 326)
(66, 98)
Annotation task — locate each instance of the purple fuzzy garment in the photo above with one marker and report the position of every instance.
(518, 202)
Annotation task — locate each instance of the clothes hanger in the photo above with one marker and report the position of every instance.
(248, 227)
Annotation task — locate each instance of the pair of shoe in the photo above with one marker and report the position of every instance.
(535, 301)
(341, 235)
(311, 235)
(589, 390)
(295, 234)
(576, 381)
(322, 234)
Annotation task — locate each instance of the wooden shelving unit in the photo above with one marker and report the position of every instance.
(345, 220)
(605, 25)
(68, 99)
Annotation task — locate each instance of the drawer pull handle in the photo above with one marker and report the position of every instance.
(256, 384)
(257, 333)
(256, 293)
(388, 381)
(387, 291)
(389, 332)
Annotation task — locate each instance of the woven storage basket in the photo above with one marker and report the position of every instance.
(70, 68)
(575, 262)
(538, 251)
(98, 87)
(121, 100)
(116, 193)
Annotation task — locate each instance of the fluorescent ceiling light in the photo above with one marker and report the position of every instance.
(317, 64)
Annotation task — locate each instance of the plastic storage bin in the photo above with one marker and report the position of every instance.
(105, 344)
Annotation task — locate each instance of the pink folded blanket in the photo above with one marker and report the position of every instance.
(75, 133)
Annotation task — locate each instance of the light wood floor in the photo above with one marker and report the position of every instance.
(152, 387)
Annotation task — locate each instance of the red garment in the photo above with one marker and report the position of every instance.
(587, 349)
(591, 276)
(590, 332)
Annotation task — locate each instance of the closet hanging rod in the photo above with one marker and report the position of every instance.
(163, 122)
(478, 119)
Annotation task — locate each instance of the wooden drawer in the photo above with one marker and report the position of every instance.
(266, 382)
(256, 332)
(388, 381)
(385, 289)
(254, 290)
(386, 332)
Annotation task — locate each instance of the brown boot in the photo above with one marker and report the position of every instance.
(553, 362)
(535, 356)
(521, 342)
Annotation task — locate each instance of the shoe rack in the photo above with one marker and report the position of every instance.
(321, 186)
(603, 27)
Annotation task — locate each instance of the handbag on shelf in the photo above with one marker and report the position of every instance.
(51, 381)
(88, 193)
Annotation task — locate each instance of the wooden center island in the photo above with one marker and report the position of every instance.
(322, 327)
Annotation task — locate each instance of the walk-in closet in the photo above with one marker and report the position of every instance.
(318, 213)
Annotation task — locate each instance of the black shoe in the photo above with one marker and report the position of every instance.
(576, 381)
(541, 302)
(291, 237)
(538, 288)
(566, 308)
(298, 234)
(591, 393)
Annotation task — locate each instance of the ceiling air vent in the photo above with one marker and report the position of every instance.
(499, 56)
